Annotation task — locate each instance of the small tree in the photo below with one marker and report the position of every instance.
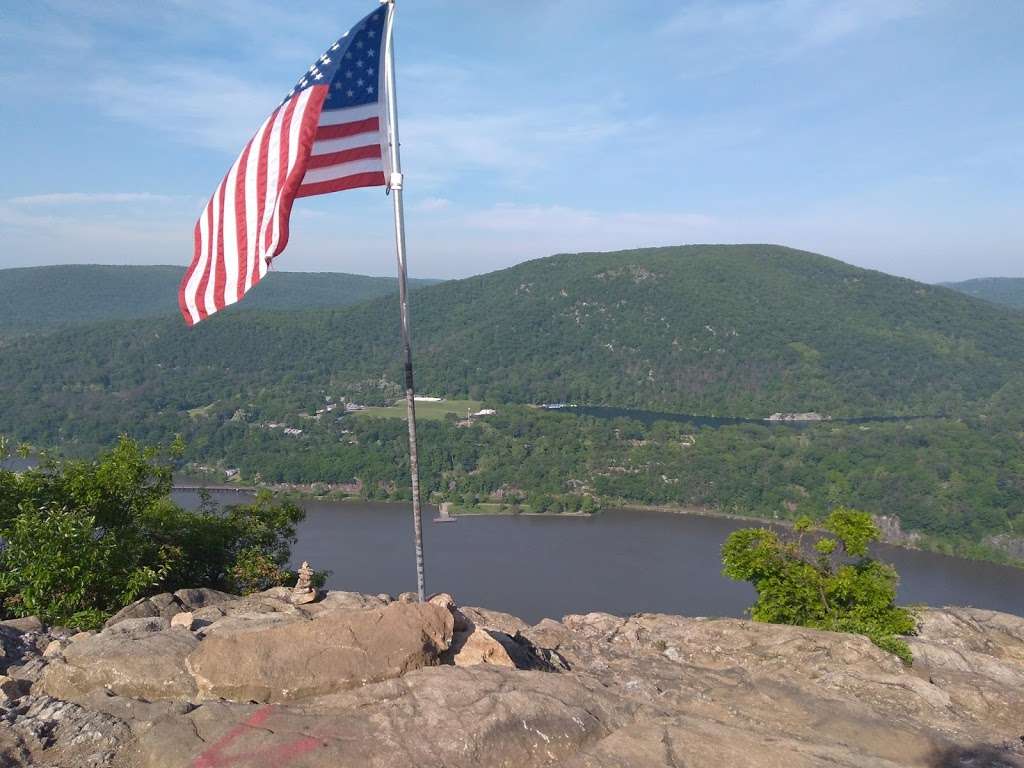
(825, 582)
(81, 539)
(59, 565)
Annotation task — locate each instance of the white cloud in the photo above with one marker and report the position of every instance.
(502, 235)
(715, 37)
(30, 238)
(581, 224)
(513, 145)
(275, 27)
(453, 241)
(432, 204)
(195, 103)
(63, 198)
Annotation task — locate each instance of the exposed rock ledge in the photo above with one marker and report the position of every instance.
(357, 680)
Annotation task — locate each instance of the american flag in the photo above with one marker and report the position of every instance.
(329, 134)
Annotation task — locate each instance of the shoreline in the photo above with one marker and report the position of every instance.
(615, 504)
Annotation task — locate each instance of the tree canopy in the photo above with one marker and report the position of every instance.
(81, 539)
(826, 581)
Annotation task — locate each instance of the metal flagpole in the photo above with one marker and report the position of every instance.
(396, 192)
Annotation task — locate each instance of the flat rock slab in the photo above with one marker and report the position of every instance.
(140, 664)
(355, 683)
(331, 652)
(441, 716)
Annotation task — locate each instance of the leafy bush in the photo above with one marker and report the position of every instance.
(57, 564)
(80, 540)
(826, 582)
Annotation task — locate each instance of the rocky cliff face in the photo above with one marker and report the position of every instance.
(200, 679)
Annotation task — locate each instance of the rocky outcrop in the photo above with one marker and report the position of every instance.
(359, 680)
(892, 532)
(136, 658)
(1011, 545)
(166, 605)
(333, 651)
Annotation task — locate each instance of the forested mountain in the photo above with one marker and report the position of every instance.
(37, 297)
(998, 290)
(735, 330)
(727, 330)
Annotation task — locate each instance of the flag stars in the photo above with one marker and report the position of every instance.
(369, 89)
(350, 93)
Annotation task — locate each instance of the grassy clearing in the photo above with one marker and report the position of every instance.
(427, 411)
(483, 508)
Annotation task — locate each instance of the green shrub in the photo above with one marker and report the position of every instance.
(79, 540)
(828, 582)
(59, 566)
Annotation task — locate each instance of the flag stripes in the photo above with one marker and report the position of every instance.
(347, 151)
(325, 137)
(245, 224)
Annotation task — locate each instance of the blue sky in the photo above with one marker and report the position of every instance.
(887, 133)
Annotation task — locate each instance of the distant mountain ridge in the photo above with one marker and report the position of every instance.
(39, 297)
(746, 330)
(719, 330)
(1008, 291)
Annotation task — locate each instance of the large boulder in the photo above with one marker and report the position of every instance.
(138, 658)
(333, 651)
(166, 604)
(26, 624)
(478, 646)
(193, 599)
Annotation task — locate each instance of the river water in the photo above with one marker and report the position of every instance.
(650, 417)
(620, 561)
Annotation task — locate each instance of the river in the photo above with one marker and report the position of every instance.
(620, 561)
(650, 417)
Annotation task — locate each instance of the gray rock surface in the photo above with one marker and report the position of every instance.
(183, 620)
(358, 682)
(332, 651)
(27, 624)
(144, 661)
(440, 716)
(59, 734)
(166, 605)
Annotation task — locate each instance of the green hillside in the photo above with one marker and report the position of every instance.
(1008, 291)
(727, 330)
(37, 297)
(734, 330)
